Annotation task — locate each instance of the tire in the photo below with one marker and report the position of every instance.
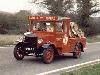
(18, 53)
(77, 51)
(48, 55)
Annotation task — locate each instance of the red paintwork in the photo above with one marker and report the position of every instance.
(55, 37)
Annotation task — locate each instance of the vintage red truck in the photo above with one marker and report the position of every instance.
(50, 36)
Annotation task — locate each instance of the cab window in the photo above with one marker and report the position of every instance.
(64, 27)
(59, 26)
(43, 26)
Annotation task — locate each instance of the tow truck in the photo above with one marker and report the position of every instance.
(50, 36)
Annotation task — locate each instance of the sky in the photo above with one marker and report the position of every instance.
(16, 5)
(12, 5)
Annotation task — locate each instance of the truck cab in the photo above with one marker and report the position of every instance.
(51, 36)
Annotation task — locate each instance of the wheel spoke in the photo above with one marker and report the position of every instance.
(18, 54)
(48, 55)
(77, 52)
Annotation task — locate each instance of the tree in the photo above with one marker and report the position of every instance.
(85, 9)
(22, 20)
(41, 14)
(56, 7)
(7, 22)
(14, 23)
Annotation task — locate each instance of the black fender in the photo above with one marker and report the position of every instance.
(23, 45)
(40, 49)
(81, 45)
(19, 44)
(46, 45)
(50, 45)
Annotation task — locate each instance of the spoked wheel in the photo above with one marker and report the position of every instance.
(77, 51)
(48, 55)
(18, 53)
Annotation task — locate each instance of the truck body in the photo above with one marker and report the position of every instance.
(51, 36)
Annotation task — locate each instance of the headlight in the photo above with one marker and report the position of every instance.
(40, 40)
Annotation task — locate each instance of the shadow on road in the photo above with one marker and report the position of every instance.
(39, 60)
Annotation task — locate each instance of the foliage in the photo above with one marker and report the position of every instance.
(91, 70)
(7, 21)
(56, 7)
(14, 23)
(22, 20)
(85, 9)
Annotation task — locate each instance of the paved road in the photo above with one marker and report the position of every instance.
(32, 66)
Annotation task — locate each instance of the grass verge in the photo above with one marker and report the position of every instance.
(93, 39)
(90, 70)
(8, 39)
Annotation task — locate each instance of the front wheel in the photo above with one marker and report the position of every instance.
(18, 53)
(48, 55)
(77, 51)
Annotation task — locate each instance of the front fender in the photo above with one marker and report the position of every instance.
(46, 45)
(41, 48)
(19, 44)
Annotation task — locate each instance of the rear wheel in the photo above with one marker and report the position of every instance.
(77, 51)
(18, 53)
(48, 55)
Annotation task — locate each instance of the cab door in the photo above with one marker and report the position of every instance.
(59, 35)
(66, 41)
(70, 41)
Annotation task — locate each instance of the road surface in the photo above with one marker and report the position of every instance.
(31, 66)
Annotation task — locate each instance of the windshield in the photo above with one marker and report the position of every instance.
(43, 26)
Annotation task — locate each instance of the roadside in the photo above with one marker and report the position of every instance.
(93, 39)
(8, 40)
(78, 69)
(90, 70)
